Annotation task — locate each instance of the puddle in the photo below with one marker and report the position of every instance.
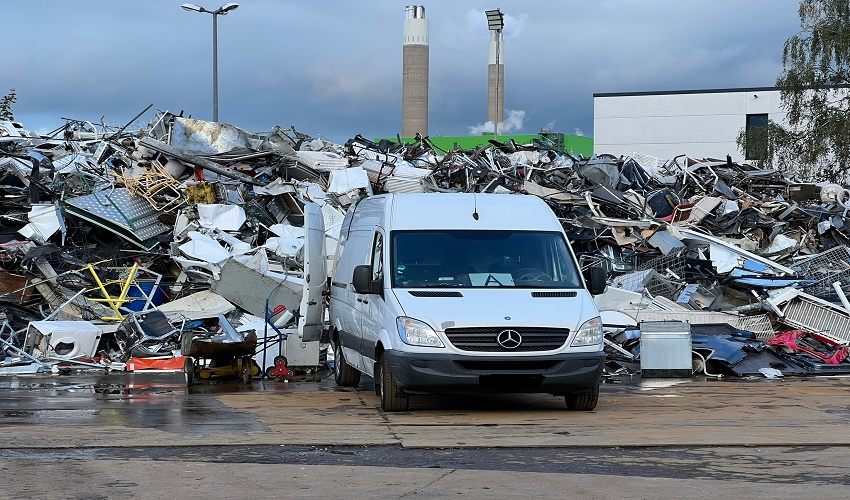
(650, 384)
(132, 400)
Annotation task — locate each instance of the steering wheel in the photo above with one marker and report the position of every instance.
(530, 275)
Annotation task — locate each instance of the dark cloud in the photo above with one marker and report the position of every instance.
(333, 68)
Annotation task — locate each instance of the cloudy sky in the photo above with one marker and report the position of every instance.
(332, 68)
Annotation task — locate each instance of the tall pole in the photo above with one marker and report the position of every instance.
(223, 10)
(495, 23)
(215, 66)
(498, 117)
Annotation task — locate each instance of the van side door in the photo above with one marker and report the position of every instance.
(372, 306)
(347, 310)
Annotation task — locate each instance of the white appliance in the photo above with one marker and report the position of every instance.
(63, 339)
(665, 349)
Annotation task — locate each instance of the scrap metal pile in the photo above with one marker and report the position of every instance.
(202, 227)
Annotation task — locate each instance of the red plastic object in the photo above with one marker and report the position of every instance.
(137, 364)
(796, 341)
(280, 370)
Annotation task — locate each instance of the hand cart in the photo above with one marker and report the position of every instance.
(230, 358)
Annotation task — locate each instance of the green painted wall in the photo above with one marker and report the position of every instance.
(578, 145)
(574, 144)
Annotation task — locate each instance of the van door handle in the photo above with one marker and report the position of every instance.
(359, 299)
(365, 301)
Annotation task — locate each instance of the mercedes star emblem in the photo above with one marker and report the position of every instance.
(509, 339)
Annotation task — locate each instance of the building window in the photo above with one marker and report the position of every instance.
(756, 136)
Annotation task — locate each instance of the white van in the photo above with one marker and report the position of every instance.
(460, 293)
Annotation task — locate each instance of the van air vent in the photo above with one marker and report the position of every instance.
(554, 294)
(422, 293)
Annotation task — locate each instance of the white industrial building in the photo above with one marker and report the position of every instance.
(696, 123)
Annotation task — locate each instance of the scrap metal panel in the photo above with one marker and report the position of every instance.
(119, 212)
(818, 317)
(251, 289)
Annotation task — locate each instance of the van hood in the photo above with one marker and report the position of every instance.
(496, 307)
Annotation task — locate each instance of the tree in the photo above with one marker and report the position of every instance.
(814, 88)
(6, 106)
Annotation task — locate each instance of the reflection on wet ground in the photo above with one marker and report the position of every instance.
(162, 400)
(136, 400)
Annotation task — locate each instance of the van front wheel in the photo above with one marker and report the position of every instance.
(344, 374)
(392, 398)
(583, 401)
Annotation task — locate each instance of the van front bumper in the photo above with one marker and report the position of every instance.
(450, 373)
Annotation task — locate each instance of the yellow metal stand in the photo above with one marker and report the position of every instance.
(114, 303)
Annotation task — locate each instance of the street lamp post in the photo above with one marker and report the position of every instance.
(221, 11)
(496, 22)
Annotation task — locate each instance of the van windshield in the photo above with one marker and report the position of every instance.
(473, 259)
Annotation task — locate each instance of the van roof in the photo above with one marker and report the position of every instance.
(455, 211)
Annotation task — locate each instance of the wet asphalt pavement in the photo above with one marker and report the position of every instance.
(162, 402)
(712, 463)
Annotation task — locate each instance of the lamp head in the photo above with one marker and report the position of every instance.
(495, 19)
(192, 7)
(224, 9)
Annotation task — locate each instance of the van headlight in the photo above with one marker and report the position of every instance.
(415, 332)
(589, 333)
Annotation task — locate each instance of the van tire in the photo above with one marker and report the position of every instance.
(583, 401)
(392, 398)
(344, 374)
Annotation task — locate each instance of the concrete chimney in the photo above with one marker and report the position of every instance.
(414, 85)
(496, 80)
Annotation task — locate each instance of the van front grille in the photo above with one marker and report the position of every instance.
(507, 366)
(485, 339)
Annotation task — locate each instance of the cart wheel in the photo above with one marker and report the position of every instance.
(255, 368)
(189, 371)
(205, 374)
(280, 359)
(186, 338)
(269, 372)
(247, 370)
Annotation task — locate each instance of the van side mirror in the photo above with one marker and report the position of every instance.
(362, 280)
(596, 278)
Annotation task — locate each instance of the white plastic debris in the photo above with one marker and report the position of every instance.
(45, 220)
(345, 181)
(224, 217)
(204, 248)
